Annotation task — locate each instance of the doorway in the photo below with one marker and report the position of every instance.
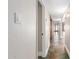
(40, 34)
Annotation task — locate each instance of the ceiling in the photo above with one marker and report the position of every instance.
(56, 7)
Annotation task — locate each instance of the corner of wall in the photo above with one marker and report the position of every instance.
(40, 53)
(46, 52)
(67, 50)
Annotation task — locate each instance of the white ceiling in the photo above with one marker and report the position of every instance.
(56, 7)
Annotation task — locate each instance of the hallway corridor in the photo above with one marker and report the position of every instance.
(39, 29)
(56, 53)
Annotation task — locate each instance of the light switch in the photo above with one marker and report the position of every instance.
(16, 19)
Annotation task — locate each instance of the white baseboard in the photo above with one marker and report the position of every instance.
(40, 53)
(67, 50)
(46, 52)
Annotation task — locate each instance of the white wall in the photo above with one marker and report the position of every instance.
(67, 33)
(45, 30)
(46, 41)
(67, 29)
(39, 28)
(22, 37)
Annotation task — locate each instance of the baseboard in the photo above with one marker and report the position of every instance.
(46, 52)
(40, 53)
(67, 50)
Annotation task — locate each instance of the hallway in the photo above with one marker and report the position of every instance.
(36, 29)
(56, 53)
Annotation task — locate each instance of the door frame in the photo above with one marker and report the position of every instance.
(43, 28)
